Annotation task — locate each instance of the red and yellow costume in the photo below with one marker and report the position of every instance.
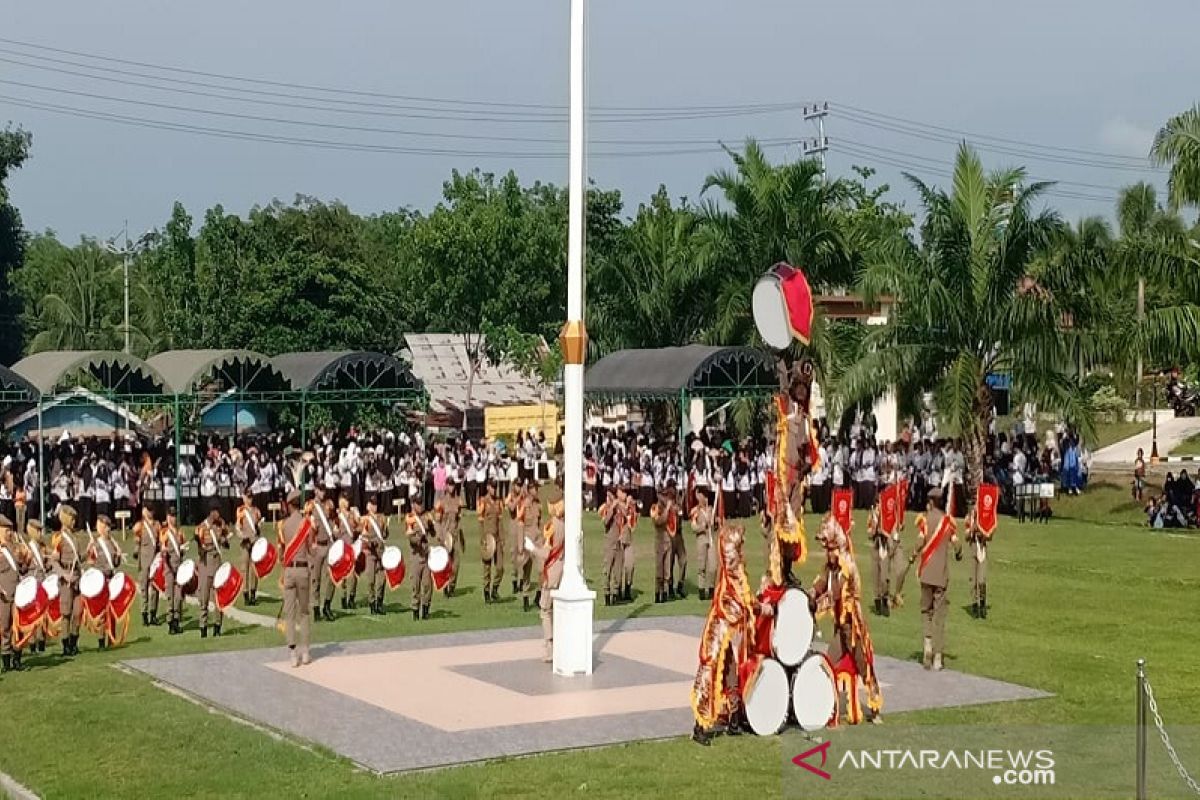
(727, 638)
(838, 593)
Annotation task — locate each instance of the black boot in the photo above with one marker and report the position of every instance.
(66, 646)
(246, 599)
(975, 609)
(607, 599)
(328, 612)
(416, 613)
(681, 591)
(669, 594)
(983, 602)
(514, 587)
(100, 645)
(425, 612)
(658, 595)
(16, 662)
(73, 645)
(524, 603)
(7, 666)
(254, 597)
(216, 630)
(145, 619)
(887, 611)
(701, 736)
(41, 646)
(343, 602)
(316, 613)
(353, 602)
(203, 631)
(537, 599)
(878, 608)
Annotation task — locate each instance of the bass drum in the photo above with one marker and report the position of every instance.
(765, 697)
(792, 634)
(814, 693)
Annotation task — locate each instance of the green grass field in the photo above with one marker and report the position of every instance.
(1188, 447)
(1075, 603)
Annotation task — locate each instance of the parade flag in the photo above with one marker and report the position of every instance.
(889, 508)
(843, 502)
(986, 503)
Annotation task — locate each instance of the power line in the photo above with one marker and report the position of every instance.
(325, 144)
(559, 108)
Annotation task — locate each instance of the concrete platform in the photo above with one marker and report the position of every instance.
(427, 701)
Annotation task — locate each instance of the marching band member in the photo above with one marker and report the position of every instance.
(348, 526)
(172, 547)
(452, 525)
(297, 540)
(66, 565)
(878, 540)
(374, 535)
(979, 526)
(11, 571)
(491, 548)
(320, 510)
(936, 534)
(249, 517)
(39, 567)
(104, 554)
(146, 543)
(629, 521)
(531, 528)
(211, 538)
(612, 514)
(513, 503)
(703, 525)
(422, 535)
(664, 545)
(549, 551)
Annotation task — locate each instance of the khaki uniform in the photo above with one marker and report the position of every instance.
(532, 528)
(704, 525)
(612, 514)
(514, 534)
(67, 566)
(348, 526)
(320, 581)
(978, 542)
(104, 555)
(297, 584)
(668, 549)
(935, 579)
(172, 549)
(628, 561)
(10, 576)
(550, 553)
(39, 567)
(375, 534)
(490, 513)
(209, 539)
(454, 540)
(145, 543)
(880, 544)
(248, 520)
(421, 537)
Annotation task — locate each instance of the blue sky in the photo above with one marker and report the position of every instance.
(1072, 90)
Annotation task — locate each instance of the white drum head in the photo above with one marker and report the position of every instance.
(767, 700)
(222, 575)
(391, 558)
(50, 584)
(26, 592)
(92, 583)
(438, 559)
(770, 313)
(336, 551)
(792, 635)
(258, 551)
(116, 584)
(814, 695)
(357, 548)
(187, 571)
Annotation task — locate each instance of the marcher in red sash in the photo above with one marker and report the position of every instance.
(837, 591)
(297, 541)
(979, 526)
(726, 641)
(549, 552)
(936, 534)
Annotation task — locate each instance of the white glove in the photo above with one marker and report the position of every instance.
(529, 544)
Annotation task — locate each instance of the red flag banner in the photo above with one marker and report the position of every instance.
(889, 508)
(987, 502)
(903, 492)
(843, 503)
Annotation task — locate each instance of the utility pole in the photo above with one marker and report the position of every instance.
(126, 253)
(819, 146)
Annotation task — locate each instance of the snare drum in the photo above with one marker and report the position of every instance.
(227, 582)
(782, 304)
(765, 695)
(393, 565)
(121, 593)
(263, 554)
(186, 578)
(792, 634)
(30, 602)
(440, 565)
(158, 573)
(94, 589)
(50, 585)
(340, 561)
(814, 693)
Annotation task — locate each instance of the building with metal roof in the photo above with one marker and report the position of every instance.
(441, 362)
(669, 372)
(191, 371)
(115, 372)
(345, 369)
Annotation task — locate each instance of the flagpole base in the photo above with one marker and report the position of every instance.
(573, 608)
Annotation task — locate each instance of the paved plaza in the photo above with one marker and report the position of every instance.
(417, 702)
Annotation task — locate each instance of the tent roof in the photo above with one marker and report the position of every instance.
(441, 361)
(12, 382)
(359, 368)
(116, 371)
(667, 371)
(183, 369)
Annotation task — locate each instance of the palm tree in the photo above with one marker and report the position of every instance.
(969, 304)
(1178, 144)
(79, 312)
